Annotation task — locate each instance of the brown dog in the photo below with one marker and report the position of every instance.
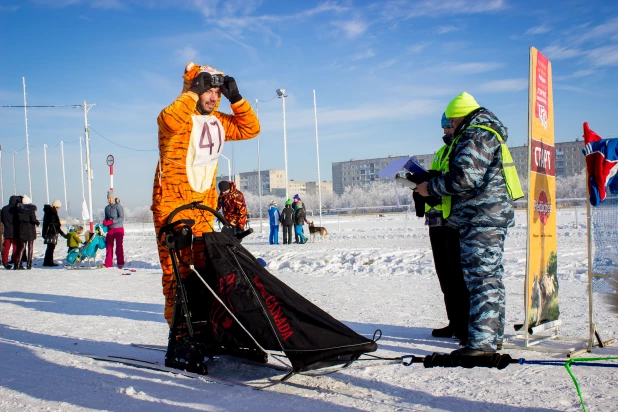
(317, 230)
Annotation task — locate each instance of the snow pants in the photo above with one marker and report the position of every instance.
(114, 235)
(273, 238)
(287, 234)
(481, 262)
(299, 234)
(447, 260)
(8, 244)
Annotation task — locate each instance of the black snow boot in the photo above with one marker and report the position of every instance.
(467, 351)
(445, 332)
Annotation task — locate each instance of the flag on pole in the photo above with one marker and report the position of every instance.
(85, 214)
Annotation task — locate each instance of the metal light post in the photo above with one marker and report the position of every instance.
(1, 185)
(23, 81)
(82, 167)
(64, 182)
(14, 178)
(281, 94)
(46, 179)
(86, 108)
(317, 149)
(257, 114)
(229, 168)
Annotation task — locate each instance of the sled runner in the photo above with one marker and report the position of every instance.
(229, 304)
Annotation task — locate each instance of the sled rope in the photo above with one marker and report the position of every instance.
(577, 361)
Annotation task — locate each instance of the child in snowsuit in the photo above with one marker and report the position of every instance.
(275, 216)
(73, 239)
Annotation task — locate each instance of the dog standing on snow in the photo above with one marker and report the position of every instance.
(317, 230)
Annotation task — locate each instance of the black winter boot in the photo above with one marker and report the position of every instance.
(445, 332)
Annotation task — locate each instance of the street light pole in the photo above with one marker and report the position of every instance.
(317, 149)
(281, 94)
(64, 182)
(257, 114)
(229, 168)
(14, 178)
(23, 81)
(1, 185)
(46, 179)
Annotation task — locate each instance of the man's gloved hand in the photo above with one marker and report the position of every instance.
(230, 90)
(201, 83)
(419, 204)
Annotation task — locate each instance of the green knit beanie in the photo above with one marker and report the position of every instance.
(461, 106)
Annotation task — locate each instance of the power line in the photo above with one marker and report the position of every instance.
(119, 145)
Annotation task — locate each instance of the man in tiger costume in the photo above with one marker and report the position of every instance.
(192, 134)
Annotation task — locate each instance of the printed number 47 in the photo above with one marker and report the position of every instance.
(206, 133)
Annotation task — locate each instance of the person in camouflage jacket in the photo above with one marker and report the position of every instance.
(482, 210)
(232, 201)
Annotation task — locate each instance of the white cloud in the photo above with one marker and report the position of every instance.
(351, 28)
(603, 56)
(558, 52)
(465, 68)
(417, 48)
(187, 54)
(601, 31)
(505, 85)
(576, 74)
(446, 29)
(408, 9)
(363, 55)
(533, 31)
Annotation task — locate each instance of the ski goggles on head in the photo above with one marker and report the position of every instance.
(216, 80)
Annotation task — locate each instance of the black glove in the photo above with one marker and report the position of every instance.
(201, 83)
(414, 178)
(419, 204)
(230, 90)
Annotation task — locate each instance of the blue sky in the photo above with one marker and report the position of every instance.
(383, 72)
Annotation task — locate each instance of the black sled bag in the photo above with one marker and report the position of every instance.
(275, 315)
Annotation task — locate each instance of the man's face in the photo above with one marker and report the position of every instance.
(209, 99)
(448, 130)
(111, 200)
(455, 122)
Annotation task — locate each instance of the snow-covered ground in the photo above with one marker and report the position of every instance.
(373, 272)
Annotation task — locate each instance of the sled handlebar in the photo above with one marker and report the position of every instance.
(243, 234)
(195, 205)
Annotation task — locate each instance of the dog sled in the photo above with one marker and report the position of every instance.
(229, 304)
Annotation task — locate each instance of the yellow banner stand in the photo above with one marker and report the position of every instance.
(542, 313)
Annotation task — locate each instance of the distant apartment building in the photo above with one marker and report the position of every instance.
(569, 161)
(273, 182)
(296, 187)
(569, 158)
(325, 188)
(364, 172)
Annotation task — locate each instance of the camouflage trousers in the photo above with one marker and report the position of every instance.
(481, 262)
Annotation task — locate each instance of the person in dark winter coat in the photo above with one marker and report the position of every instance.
(26, 231)
(300, 218)
(114, 219)
(10, 240)
(51, 229)
(446, 252)
(294, 203)
(275, 217)
(287, 221)
(481, 208)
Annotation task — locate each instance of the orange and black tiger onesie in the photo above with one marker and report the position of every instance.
(187, 167)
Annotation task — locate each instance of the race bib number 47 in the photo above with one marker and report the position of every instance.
(207, 138)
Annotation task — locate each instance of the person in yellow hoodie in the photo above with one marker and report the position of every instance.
(192, 133)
